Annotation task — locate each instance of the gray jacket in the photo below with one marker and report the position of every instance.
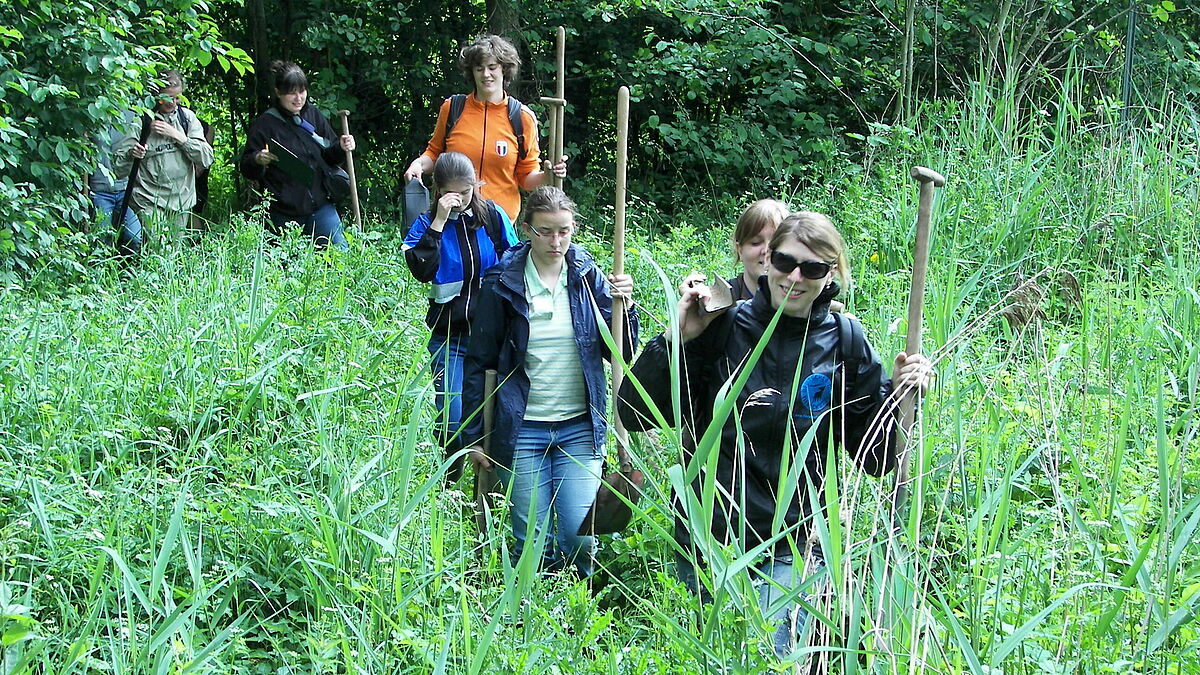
(166, 180)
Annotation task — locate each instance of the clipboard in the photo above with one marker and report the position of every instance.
(293, 166)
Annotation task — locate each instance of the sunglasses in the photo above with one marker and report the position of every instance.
(809, 269)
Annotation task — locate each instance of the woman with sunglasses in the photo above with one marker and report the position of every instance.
(537, 325)
(816, 369)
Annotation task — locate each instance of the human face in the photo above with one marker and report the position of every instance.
(753, 253)
(292, 102)
(168, 99)
(793, 290)
(550, 237)
(489, 81)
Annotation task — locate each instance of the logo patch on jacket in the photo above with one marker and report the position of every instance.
(502, 148)
(816, 393)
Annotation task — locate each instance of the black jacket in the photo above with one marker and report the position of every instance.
(290, 197)
(768, 414)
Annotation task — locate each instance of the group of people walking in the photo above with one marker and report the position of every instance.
(528, 303)
(510, 292)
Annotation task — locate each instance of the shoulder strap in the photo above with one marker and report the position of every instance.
(494, 225)
(850, 338)
(518, 125)
(458, 103)
(183, 120)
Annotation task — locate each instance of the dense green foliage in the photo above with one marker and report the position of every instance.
(67, 70)
(221, 462)
(727, 95)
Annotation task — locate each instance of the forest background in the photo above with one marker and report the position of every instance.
(220, 462)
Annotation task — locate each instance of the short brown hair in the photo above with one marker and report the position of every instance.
(815, 231)
(485, 47)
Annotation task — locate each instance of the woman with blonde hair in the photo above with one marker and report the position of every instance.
(817, 369)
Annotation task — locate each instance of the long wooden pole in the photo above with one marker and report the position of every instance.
(485, 478)
(928, 180)
(618, 305)
(345, 115)
(560, 91)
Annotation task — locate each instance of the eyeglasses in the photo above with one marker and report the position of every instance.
(550, 234)
(809, 269)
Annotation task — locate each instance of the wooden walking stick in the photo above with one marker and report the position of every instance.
(929, 180)
(485, 479)
(345, 115)
(558, 105)
(610, 512)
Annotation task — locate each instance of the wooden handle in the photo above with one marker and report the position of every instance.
(489, 407)
(559, 111)
(484, 480)
(929, 180)
(618, 305)
(345, 115)
(923, 175)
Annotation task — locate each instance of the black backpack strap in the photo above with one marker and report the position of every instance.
(518, 125)
(850, 345)
(458, 103)
(493, 224)
(183, 120)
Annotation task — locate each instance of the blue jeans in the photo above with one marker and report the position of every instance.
(791, 618)
(129, 239)
(324, 226)
(555, 472)
(447, 353)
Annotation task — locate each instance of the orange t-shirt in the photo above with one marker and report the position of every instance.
(484, 134)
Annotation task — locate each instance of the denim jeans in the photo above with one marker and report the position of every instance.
(775, 576)
(324, 226)
(446, 353)
(129, 239)
(554, 477)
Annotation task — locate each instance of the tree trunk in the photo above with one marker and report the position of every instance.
(263, 88)
(503, 18)
(993, 65)
(904, 102)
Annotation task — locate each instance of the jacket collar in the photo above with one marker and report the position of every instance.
(472, 101)
(764, 311)
(512, 275)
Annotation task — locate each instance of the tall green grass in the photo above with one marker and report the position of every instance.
(223, 461)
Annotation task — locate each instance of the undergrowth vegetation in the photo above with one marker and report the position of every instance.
(222, 461)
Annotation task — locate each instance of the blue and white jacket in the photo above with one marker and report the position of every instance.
(454, 261)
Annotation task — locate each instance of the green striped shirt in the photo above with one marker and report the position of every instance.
(556, 388)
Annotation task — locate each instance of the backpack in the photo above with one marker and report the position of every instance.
(494, 228)
(458, 102)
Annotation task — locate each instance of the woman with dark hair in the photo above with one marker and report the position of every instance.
(538, 326)
(451, 247)
(816, 370)
(495, 130)
(293, 128)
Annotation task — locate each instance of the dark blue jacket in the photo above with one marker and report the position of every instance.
(500, 336)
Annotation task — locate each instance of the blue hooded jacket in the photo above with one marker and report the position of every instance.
(501, 336)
